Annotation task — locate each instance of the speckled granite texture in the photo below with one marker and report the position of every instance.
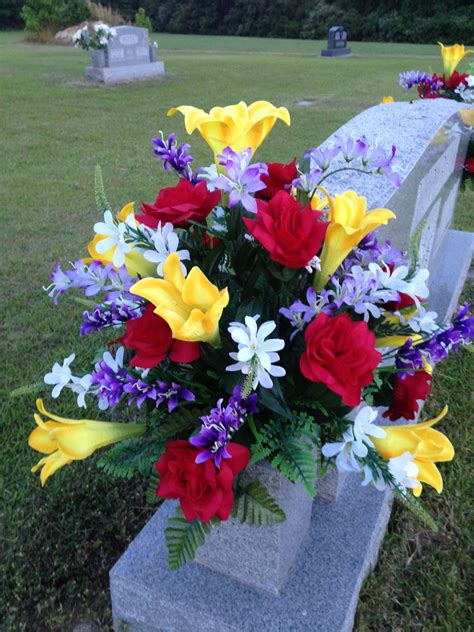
(320, 595)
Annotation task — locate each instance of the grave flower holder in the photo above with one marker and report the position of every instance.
(99, 57)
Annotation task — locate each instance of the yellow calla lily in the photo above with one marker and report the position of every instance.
(388, 100)
(192, 306)
(396, 340)
(467, 117)
(452, 55)
(237, 126)
(349, 223)
(67, 440)
(428, 445)
(135, 262)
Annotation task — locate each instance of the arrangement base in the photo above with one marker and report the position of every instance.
(321, 593)
(125, 73)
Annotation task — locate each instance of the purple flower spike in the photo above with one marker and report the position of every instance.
(221, 424)
(172, 394)
(139, 391)
(408, 360)
(61, 282)
(174, 157)
(460, 332)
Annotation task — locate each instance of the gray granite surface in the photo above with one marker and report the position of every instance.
(125, 73)
(320, 595)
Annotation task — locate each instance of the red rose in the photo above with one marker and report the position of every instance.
(404, 301)
(204, 491)
(340, 353)
(293, 235)
(180, 204)
(150, 335)
(406, 394)
(280, 177)
(469, 165)
(454, 80)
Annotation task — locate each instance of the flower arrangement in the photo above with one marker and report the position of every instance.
(252, 315)
(450, 85)
(95, 37)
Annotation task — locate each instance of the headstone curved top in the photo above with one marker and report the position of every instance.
(337, 43)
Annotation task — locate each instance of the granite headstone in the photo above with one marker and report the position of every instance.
(337, 43)
(127, 57)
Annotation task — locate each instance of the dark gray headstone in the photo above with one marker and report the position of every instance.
(129, 47)
(337, 43)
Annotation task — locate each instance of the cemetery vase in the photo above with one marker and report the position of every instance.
(152, 54)
(99, 57)
(261, 557)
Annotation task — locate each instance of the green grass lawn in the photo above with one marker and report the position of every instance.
(60, 542)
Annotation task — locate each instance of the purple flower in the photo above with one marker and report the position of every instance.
(307, 182)
(174, 157)
(221, 424)
(384, 163)
(296, 320)
(241, 179)
(61, 281)
(172, 393)
(352, 148)
(411, 78)
(139, 391)
(408, 359)
(110, 377)
(111, 314)
(120, 284)
(461, 331)
(315, 303)
(93, 278)
(322, 157)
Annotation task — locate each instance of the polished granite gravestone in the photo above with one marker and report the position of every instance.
(337, 43)
(344, 536)
(431, 138)
(127, 58)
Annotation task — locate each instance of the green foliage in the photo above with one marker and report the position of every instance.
(253, 505)
(183, 538)
(53, 14)
(131, 457)
(142, 20)
(296, 462)
(184, 420)
(150, 495)
(99, 191)
(416, 507)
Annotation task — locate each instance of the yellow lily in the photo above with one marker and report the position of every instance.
(349, 223)
(237, 126)
(192, 306)
(428, 445)
(135, 262)
(396, 340)
(67, 440)
(452, 55)
(388, 100)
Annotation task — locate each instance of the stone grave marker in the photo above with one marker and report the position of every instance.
(128, 56)
(337, 43)
(313, 582)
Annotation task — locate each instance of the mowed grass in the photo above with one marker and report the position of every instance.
(60, 542)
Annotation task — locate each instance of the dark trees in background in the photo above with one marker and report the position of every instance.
(378, 20)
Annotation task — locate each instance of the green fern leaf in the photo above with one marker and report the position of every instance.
(256, 507)
(296, 461)
(99, 192)
(131, 457)
(183, 538)
(181, 420)
(150, 494)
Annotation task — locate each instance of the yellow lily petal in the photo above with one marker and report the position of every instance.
(452, 55)
(127, 210)
(428, 473)
(198, 290)
(50, 464)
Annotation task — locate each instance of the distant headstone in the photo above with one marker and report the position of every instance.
(127, 56)
(337, 43)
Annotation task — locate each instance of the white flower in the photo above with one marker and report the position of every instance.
(421, 321)
(114, 363)
(404, 471)
(60, 375)
(313, 264)
(114, 237)
(81, 386)
(415, 288)
(355, 441)
(256, 353)
(165, 241)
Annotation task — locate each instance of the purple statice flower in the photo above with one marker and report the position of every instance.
(408, 359)
(411, 78)
(352, 148)
(240, 179)
(113, 314)
(461, 331)
(174, 157)
(307, 182)
(322, 156)
(60, 282)
(110, 378)
(219, 426)
(172, 393)
(139, 391)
